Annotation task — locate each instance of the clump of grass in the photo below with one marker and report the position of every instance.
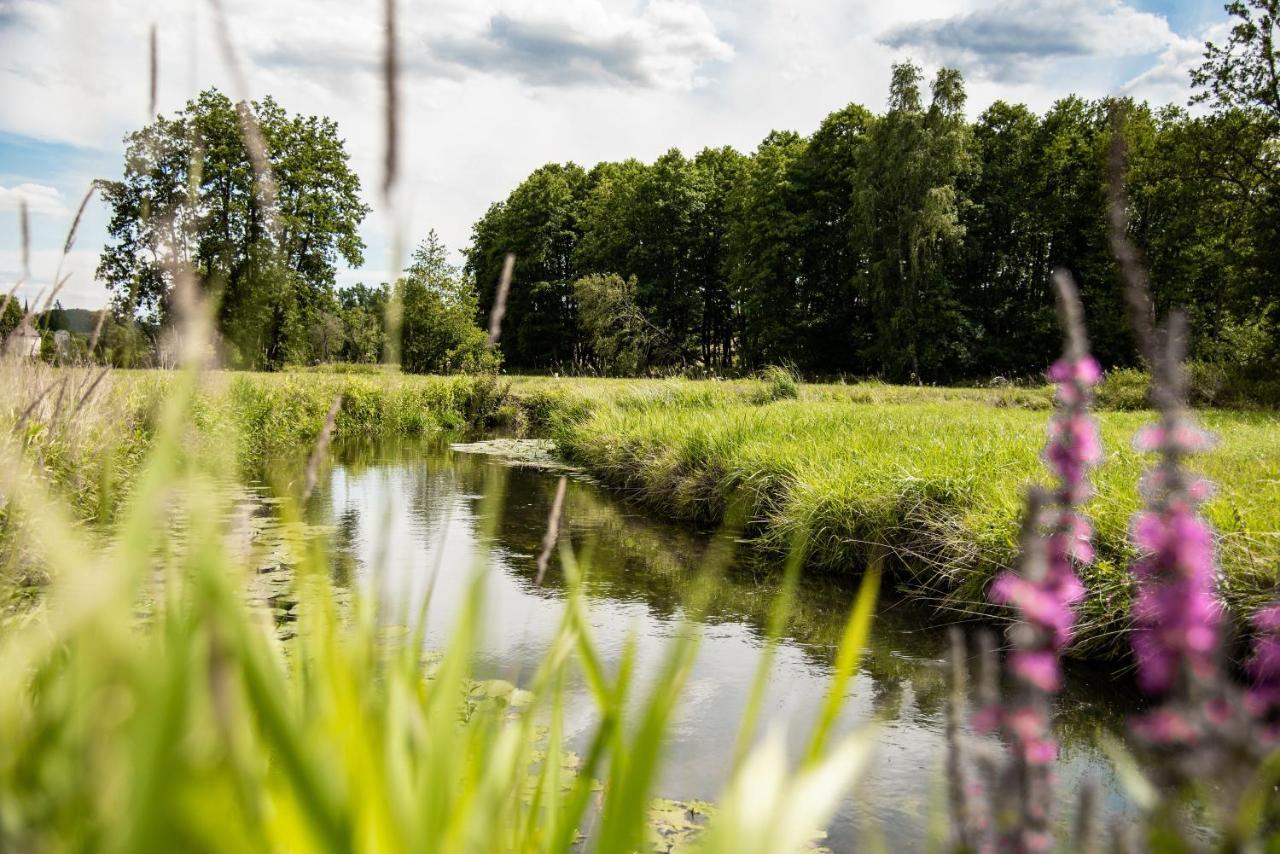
(781, 382)
(1125, 389)
(1208, 385)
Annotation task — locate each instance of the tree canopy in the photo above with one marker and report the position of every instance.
(913, 244)
(190, 203)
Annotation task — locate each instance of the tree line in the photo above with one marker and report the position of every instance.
(263, 244)
(910, 245)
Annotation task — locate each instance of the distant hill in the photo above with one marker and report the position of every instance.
(71, 319)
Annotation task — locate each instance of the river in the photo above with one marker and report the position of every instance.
(407, 512)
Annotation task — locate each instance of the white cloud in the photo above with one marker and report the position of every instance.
(1168, 79)
(40, 199)
(494, 88)
(81, 290)
(1010, 38)
(665, 45)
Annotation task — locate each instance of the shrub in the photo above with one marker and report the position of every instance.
(1124, 389)
(439, 334)
(781, 382)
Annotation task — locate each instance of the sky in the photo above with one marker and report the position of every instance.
(492, 89)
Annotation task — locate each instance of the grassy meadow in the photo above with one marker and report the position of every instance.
(930, 479)
(160, 708)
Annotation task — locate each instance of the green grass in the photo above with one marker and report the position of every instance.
(932, 476)
(149, 706)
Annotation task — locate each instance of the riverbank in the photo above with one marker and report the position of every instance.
(87, 432)
(931, 477)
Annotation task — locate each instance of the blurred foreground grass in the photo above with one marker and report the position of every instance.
(149, 707)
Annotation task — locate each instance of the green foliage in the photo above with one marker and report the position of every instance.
(190, 204)
(363, 311)
(907, 218)
(438, 328)
(761, 249)
(915, 243)
(621, 337)
(539, 223)
(11, 317)
(124, 343)
(1241, 74)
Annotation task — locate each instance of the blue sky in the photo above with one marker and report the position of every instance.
(493, 88)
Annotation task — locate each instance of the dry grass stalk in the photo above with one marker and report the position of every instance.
(499, 310)
(249, 129)
(31, 407)
(24, 224)
(154, 69)
(84, 398)
(553, 529)
(390, 78)
(1137, 290)
(321, 448)
(97, 329)
(24, 227)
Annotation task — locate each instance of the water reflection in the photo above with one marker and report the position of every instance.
(407, 515)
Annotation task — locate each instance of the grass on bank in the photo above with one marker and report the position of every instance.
(149, 707)
(935, 477)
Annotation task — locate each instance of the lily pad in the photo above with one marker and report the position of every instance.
(522, 453)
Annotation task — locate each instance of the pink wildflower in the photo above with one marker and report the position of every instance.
(1264, 665)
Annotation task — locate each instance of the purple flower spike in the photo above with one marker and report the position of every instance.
(1176, 614)
(1264, 665)
(1044, 588)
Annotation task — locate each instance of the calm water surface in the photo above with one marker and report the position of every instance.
(405, 513)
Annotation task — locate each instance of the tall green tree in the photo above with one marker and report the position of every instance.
(908, 213)
(10, 319)
(538, 222)
(763, 250)
(190, 203)
(1240, 80)
(668, 215)
(1003, 272)
(832, 312)
(607, 217)
(718, 172)
(438, 331)
(1244, 72)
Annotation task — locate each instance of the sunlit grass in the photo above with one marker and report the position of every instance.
(934, 477)
(149, 707)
